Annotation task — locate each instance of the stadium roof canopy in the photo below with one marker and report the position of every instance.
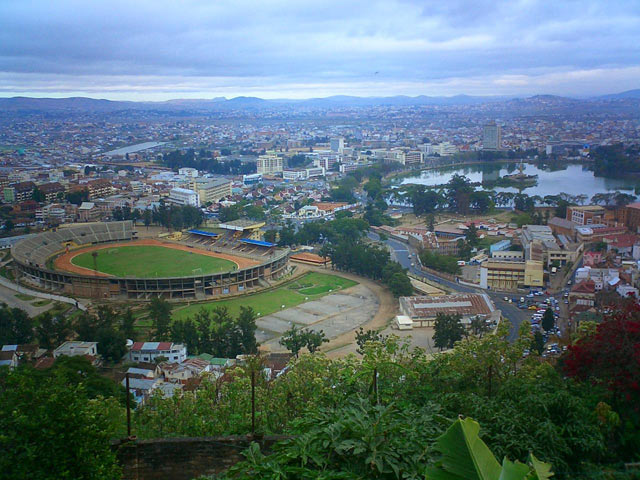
(202, 232)
(260, 243)
(241, 224)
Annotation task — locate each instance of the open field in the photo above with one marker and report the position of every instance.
(306, 288)
(151, 261)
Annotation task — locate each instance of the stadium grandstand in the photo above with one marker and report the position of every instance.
(34, 259)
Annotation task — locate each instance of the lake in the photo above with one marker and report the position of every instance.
(574, 179)
(133, 148)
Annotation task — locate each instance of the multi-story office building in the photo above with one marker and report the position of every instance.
(211, 189)
(510, 275)
(268, 164)
(19, 192)
(491, 137)
(586, 215)
(184, 196)
(337, 144)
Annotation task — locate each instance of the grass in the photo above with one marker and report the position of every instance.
(151, 261)
(41, 303)
(308, 287)
(23, 297)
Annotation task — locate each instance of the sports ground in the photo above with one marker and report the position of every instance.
(309, 286)
(148, 259)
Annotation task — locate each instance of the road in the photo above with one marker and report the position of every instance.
(401, 253)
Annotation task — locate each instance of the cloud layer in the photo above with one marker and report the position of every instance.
(193, 49)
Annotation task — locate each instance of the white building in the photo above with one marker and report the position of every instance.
(149, 351)
(188, 172)
(491, 137)
(294, 175)
(73, 349)
(337, 144)
(184, 196)
(268, 164)
(445, 148)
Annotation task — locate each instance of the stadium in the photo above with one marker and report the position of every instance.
(109, 261)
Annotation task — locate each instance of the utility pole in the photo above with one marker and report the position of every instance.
(128, 406)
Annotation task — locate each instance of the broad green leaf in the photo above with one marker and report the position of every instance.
(541, 470)
(513, 470)
(464, 455)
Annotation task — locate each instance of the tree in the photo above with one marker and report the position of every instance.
(15, 326)
(38, 195)
(400, 285)
(314, 339)
(430, 222)
(472, 235)
(270, 236)
(160, 313)
(247, 324)
(127, 324)
(537, 344)
(52, 331)
(548, 319)
(51, 430)
(448, 330)
(295, 339)
(112, 344)
(363, 337)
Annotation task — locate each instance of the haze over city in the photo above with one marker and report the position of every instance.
(160, 50)
(349, 240)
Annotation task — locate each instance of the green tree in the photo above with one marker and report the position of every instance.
(127, 324)
(448, 329)
(363, 337)
(247, 324)
(537, 344)
(52, 431)
(16, 327)
(52, 331)
(315, 339)
(548, 319)
(472, 235)
(160, 313)
(400, 285)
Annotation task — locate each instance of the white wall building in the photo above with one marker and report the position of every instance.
(149, 351)
(268, 164)
(74, 349)
(188, 172)
(184, 196)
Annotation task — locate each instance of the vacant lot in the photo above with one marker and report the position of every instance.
(151, 261)
(308, 287)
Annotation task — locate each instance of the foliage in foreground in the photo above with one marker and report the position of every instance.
(50, 428)
(374, 442)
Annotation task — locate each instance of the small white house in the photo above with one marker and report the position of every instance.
(73, 349)
(403, 322)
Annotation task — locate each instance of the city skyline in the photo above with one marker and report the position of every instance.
(160, 51)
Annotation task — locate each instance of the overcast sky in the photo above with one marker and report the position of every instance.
(157, 50)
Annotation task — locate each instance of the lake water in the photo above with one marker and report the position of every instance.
(134, 148)
(574, 179)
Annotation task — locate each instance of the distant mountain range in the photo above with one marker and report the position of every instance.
(221, 104)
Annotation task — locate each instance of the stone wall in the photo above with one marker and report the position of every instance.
(183, 458)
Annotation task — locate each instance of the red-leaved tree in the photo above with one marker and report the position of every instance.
(611, 357)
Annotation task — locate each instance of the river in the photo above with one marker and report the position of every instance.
(574, 179)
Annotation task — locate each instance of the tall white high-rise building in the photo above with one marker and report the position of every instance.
(337, 144)
(269, 164)
(491, 137)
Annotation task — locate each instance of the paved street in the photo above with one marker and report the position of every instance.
(401, 253)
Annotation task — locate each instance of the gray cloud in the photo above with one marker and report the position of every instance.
(163, 48)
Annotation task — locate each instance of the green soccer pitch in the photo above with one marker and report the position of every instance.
(151, 261)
